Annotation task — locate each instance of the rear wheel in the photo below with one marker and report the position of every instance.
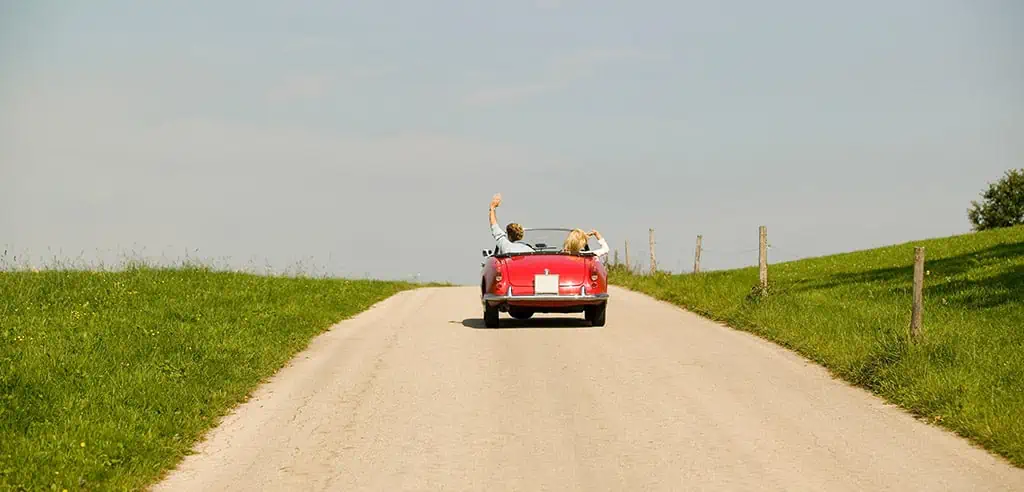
(595, 314)
(491, 316)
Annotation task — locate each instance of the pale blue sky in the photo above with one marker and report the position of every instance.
(368, 137)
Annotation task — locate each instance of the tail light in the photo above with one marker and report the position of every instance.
(593, 272)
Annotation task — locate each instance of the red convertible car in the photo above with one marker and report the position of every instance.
(546, 280)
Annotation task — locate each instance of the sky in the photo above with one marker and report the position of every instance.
(365, 139)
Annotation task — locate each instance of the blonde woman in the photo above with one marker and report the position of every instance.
(577, 240)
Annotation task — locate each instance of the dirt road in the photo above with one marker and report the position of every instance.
(416, 394)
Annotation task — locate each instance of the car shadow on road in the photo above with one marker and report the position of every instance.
(537, 323)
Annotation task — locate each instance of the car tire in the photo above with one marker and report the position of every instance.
(596, 314)
(491, 316)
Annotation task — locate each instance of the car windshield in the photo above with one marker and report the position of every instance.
(550, 240)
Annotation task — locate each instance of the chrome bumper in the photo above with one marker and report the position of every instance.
(496, 298)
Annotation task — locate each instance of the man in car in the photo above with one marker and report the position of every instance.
(506, 240)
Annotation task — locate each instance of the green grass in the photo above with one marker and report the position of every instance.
(851, 313)
(107, 379)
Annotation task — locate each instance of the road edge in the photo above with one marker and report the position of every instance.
(217, 421)
(826, 370)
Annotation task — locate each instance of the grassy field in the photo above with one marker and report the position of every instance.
(851, 313)
(108, 378)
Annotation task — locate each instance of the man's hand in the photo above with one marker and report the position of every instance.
(494, 204)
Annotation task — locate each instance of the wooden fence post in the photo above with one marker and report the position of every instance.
(763, 256)
(627, 257)
(918, 310)
(696, 255)
(654, 264)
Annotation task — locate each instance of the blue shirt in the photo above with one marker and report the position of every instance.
(504, 245)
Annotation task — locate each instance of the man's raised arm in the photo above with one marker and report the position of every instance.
(501, 240)
(495, 201)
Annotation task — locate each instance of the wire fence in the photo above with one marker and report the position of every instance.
(634, 262)
(692, 259)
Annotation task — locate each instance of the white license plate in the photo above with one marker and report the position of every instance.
(545, 284)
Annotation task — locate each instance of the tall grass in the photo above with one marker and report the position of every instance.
(137, 257)
(851, 313)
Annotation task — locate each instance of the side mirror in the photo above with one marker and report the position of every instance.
(486, 253)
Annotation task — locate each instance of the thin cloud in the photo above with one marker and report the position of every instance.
(311, 87)
(550, 4)
(594, 58)
(514, 93)
(297, 88)
(560, 73)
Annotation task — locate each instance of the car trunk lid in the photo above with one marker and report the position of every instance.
(571, 270)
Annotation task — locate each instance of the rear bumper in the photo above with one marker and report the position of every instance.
(548, 299)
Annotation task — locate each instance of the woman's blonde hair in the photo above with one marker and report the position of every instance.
(575, 241)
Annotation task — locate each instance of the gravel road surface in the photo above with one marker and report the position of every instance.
(416, 394)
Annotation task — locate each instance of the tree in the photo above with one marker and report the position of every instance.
(1002, 203)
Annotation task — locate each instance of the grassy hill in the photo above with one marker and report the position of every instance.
(851, 312)
(108, 378)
